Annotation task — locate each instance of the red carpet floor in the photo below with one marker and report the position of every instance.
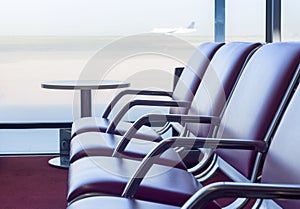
(30, 183)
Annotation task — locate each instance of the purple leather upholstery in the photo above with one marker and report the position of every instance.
(96, 124)
(103, 202)
(116, 203)
(256, 99)
(101, 144)
(282, 164)
(184, 90)
(248, 115)
(209, 99)
(218, 83)
(192, 75)
(109, 175)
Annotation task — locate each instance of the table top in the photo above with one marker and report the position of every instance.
(85, 84)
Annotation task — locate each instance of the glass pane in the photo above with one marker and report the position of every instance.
(245, 20)
(53, 40)
(47, 40)
(290, 20)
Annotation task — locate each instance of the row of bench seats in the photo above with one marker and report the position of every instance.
(225, 67)
(240, 102)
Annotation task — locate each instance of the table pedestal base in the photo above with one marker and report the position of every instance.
(59, 162)
(64, 149)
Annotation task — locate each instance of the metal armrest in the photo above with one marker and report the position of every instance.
(241, 190)
(155, 118)
(111, 105)
(155, 153)
(111, 127)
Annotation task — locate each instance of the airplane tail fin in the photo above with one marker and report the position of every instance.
(192, 25)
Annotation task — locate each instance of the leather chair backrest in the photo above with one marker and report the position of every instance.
(282, 164)
(217, 83)
(256, 99)
(192, 74)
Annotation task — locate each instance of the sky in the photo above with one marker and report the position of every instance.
(119, 17)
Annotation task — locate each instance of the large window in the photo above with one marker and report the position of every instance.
(52, 39)
(46, 40)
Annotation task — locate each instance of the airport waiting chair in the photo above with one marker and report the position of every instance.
(181, 97)
(249, 121)
(209, 99)
(280, 178)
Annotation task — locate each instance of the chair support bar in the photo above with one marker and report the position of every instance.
(241, 190)
(133, 103)
(154, 118)
(154, 154)
(112, 104)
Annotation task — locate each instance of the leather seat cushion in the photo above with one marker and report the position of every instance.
(101, 144)
(108, 175)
